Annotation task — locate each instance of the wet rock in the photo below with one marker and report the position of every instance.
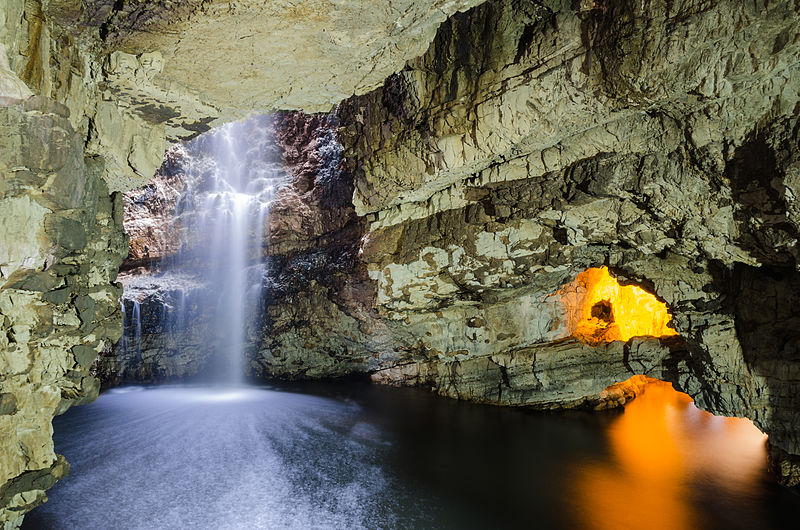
(158, 345)
(150, 212)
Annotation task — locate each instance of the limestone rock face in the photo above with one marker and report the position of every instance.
(61, 245)
(45, 46)
(535, 140)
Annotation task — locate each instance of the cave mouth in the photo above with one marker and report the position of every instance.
(600, 309)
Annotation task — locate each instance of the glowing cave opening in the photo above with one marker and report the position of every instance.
(601, 310)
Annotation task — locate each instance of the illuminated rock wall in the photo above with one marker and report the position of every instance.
(599, 309)
(533, 141)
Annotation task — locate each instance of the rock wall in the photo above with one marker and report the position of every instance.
(534, 140)
(61, 241)
(319, 315)
(61, 244)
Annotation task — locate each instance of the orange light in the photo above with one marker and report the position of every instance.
(659, 448)
(602, 310)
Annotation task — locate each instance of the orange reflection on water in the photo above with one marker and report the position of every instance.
(661, 447)
(602, 310)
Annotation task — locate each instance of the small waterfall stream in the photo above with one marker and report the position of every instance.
(131, 340)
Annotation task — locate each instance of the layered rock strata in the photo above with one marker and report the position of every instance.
(61, 245)
(535, 140)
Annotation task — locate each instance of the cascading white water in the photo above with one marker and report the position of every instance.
(213, 285)
(131, 339)
(232, 176)
(137, 327)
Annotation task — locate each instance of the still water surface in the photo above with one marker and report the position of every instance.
(361, 456)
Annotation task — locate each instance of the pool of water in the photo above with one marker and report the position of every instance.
(363, 456)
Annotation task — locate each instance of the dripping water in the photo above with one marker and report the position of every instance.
(131, 340)
(123, 341)
(137, 328)
(130, 343)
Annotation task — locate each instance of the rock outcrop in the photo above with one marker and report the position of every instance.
(192, 65)
(61, 245)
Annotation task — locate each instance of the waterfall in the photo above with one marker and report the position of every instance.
(123, 340)
(205, 302)
(136, 322)
(232, 174)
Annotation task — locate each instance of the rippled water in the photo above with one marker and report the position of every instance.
(360, 456)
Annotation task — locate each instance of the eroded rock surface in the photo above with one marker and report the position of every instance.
(535, 140)
(289, 55)
(61, 245)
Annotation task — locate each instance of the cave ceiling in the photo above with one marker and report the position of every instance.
(195, 64)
